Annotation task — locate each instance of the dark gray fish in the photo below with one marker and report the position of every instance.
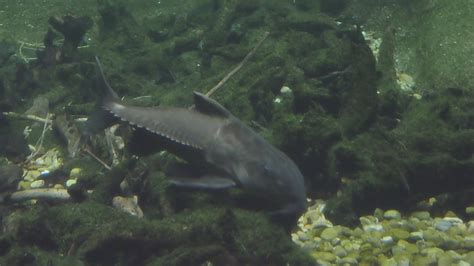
(210, 137)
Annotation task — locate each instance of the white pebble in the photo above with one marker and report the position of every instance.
(387, 240)
(453, 220)
(373, 228)
(285, 89)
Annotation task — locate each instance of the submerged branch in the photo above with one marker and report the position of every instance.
(57, 194)
(238, 67)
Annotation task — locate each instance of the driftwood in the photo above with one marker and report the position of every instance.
(56, 194)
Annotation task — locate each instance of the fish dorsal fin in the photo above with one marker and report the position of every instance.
(209, 106)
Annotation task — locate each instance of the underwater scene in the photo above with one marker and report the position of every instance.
(237, 132)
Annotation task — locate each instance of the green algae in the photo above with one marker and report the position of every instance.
(103, 235)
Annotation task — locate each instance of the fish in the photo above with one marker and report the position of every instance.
(221, 151)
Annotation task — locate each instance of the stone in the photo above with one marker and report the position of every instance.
(317, 240)
(298, 242)
(389, 262)
(458, 229)
(365, 247)
(392, 215)
(31, 175)
(469, 243)
(406, 247)
(37, 184)
(75, 173)
(285, 90)
(469, 258)
(357, 232)
(442, 225)
(421, 260)
(402, 260)
(450, 214)
(23, 185)
(347, 245)
(302, 236)
(326, 256)
(449, 243)
(71, 182)
(387, 240)
(321, 223)
(422, 215)
(340, 251)
(470, 227)
(128, 205)
(364, 220)
(373, 228)
(454, 220)
(345, 231)
(373, 239)
(330, 233)
(308, 246)
(294, 237)
(326, 246)
(397, 250)
(398, 234)
(378, 213)
(454, 255)
(432, 235)
(348, 261)
(335, 241)
(470, 211)
(415, 236)
(432, 252)
(445, 259)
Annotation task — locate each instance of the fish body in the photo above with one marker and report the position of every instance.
(233, 154)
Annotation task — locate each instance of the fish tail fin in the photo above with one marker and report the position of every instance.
(110, 94)
(101, 118)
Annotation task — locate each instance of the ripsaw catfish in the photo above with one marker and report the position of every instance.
(209, 137)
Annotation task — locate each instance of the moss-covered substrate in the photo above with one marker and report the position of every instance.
(428, 151)
(97, 234)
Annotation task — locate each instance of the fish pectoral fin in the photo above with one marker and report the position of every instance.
(206, 182)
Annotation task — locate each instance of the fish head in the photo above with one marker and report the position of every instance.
(274, 176)
(258, 167)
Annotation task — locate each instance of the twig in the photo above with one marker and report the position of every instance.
(97, 158)
(39, 142)
(34, 45)
(27, 117)
(238, 67)
(109, 135)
